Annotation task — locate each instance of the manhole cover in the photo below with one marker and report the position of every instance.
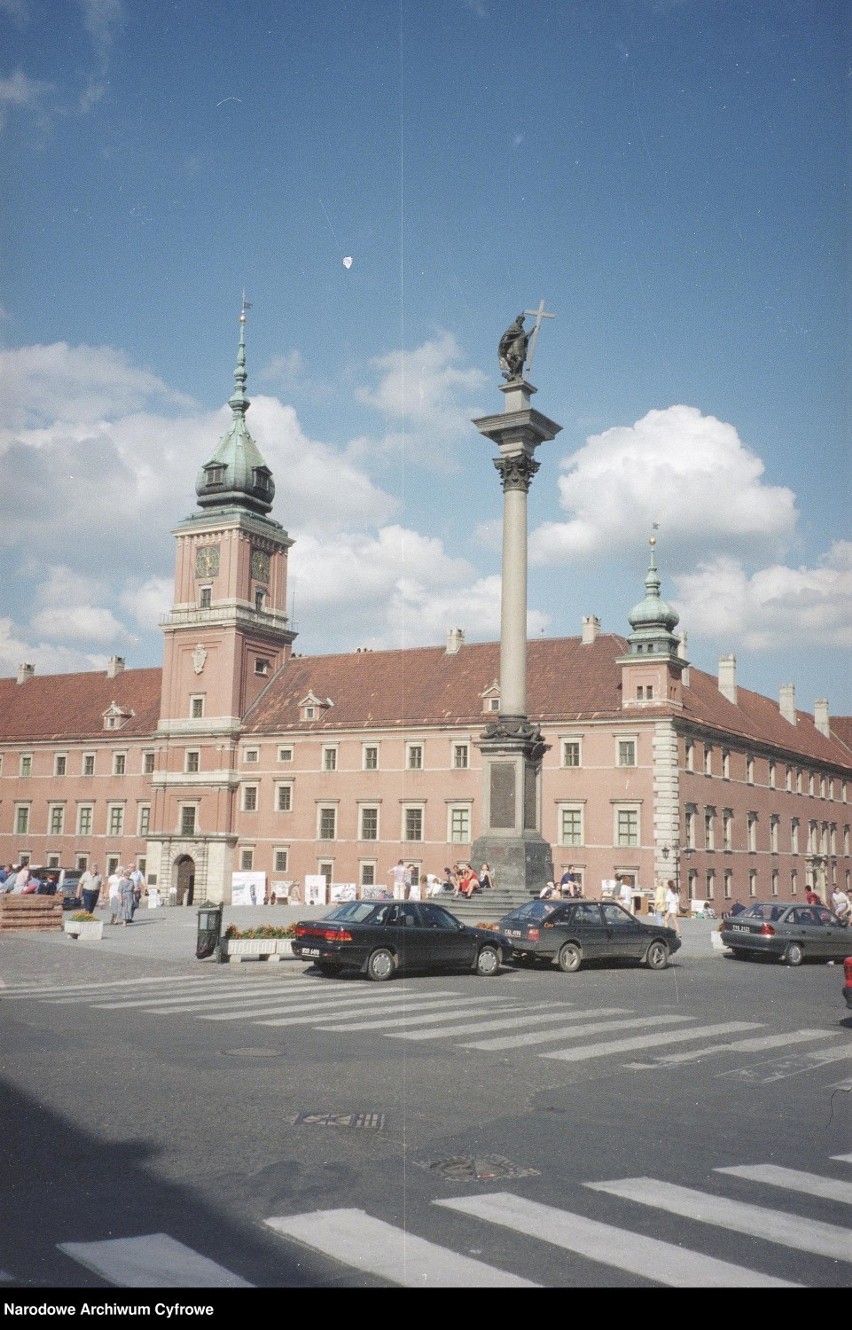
(477, 1168)
(252, 1053)
(374, 1120)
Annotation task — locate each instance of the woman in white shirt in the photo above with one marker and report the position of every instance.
(672, 908)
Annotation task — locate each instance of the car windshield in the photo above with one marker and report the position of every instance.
(767, 912)
(537, 909)
(354, 912)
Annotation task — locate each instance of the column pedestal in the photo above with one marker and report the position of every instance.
(511, 841)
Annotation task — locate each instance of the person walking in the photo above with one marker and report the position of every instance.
(671, 919)
(114, 893)
(840, 904)
(125, 898)
(91, 886)
(659, 900)
(137, 877)
(397, 874)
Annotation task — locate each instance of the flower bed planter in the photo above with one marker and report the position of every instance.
(86, 932)
(235, 950)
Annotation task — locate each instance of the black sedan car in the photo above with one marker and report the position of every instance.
(788, 931)
(572, 932)
(378, 938)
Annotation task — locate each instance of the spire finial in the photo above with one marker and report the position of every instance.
(239, 403)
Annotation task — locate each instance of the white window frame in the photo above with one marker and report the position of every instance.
(621, 750)
(143, 820)
(60, 759)
(463, 811)
(329, 757)
(246, 858)
(192, 761)
(52, 811)
(366, 750)
(368, 808)
(285, 753)
(183, 810)
(276, 852)
(22, 819)
(284, 796)
(119, 763)
(563, 810)
(632, 810)
(573, 742)
(461, 755)
(81, 819)
(196, 706)
(368, 872)
(25, 766)
(88, 760)
(414, 755)
(323, 809)
(251, 755)
(115, 820)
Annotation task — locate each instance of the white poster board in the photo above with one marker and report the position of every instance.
(153, 898)
(373, 892)
(344, 891)
(315, 889)
(248, 888)
(609, 886)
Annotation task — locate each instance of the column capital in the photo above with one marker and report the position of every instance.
(516, 473)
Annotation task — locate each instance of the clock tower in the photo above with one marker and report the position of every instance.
(225, 637)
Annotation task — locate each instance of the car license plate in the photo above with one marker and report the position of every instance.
(740, 928)
(514, 932)
(310, 951)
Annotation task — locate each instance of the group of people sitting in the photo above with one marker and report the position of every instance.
(21, 880)
(569, 887)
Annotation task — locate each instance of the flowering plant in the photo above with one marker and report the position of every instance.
(83, 917)
(489, 928)
(263, 931)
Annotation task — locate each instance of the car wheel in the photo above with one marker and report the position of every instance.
(330, 971)
(657, 956)
(488, 961)
(570, 958)
(795, 953)
(381, 965)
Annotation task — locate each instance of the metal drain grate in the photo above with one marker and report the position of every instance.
(373, 1120)
(477, 1168)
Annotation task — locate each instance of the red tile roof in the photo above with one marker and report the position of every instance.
(71, 706)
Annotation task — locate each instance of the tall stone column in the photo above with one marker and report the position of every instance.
(512, 747)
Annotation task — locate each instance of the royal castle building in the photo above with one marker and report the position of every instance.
(240, 755)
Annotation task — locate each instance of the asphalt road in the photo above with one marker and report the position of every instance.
(171, 1124)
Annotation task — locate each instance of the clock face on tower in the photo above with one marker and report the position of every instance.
(259, 566)
(207, 561)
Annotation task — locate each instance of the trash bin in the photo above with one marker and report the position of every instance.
(209, 930)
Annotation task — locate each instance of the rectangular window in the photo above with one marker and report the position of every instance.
(689, 755)
(187, 820)
(729, 884)
(285, 754)
(627, 827)
(119, 764)
(84, 820)
(689, 819)
(368, 874)
(571, 752)
(708, 759)
(627, 752)
(371, 758)
(82, 863)
(710, 828)
(115, 821)
(774, 880)
(284, 798)
(750, 770)
(144, 819)
(112, 865)
(794, 836)
(88, 764)
(772, 775)
(726, 764)
(57, 820)
(728, 829)
(752, 882)
(788, 779)
(415, 757)
(281, 860)
(329, 759)
(205, 597)
(571, 828)
(752, 831)
(26, 768)
(794, 882)
(22, 820)
(711, 883)
(250, 755)
(369, 824)
(773, 834)
(461, 753)
(196, 707)
(60, 764)
(249, 798)
(148, 763)
(327, 823)
(413, 824)
(261, 666)
(192, 761)
(326, 869)
(246, 860)
(460, 825)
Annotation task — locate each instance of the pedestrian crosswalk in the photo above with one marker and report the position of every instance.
(479, 1018)
(575, 1247)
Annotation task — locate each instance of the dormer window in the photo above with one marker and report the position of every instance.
(261, 478)
(116, 716)
(311, 707)
(491, 698)
(215, 474)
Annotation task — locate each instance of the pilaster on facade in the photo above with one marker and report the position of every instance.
(666, 783)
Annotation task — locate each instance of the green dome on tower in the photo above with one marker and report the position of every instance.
(653, 619)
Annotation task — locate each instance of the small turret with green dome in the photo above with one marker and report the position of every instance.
(236, 475)
(653, 619)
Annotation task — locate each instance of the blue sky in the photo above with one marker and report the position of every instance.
(670, 176)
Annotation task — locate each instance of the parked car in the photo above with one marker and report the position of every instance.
(787, 930)
(378, 938)
(847, 980)
(573, 932)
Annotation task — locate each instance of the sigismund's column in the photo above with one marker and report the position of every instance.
(512, 747)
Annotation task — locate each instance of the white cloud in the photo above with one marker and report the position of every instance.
(422, 393)
(18, 91)
(689, 472)
(48, 658)
(770, 608)
(148, 602)
(79, 623)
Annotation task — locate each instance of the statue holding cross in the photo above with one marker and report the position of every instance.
(517, 345)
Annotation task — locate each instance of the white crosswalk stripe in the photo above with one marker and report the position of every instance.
(634, 1253)
(152, 1261)
(374, 1247)
(483, 1005)
(330, 1007)
(579, 1031)
(757, 1045)
(831, 1189)
(532, 1011)
(648, 1041)
(789, 1230)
